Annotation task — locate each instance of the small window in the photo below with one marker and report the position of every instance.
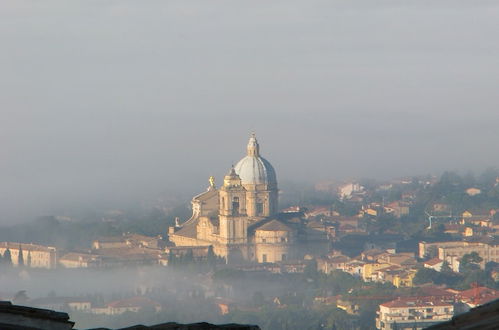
(235, 206)
(264, 257)
(259, 208)
(283, 257)
(264, 240)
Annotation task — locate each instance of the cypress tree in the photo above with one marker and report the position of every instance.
(7, 257)
(171, 258)
(20, 258)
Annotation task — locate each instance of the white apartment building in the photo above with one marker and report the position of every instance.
(413, 313)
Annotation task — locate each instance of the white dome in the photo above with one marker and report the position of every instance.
(254, 169)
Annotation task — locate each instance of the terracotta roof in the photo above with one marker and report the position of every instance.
(433, 262)
(26, 247)
(480, 292)
(415, 302)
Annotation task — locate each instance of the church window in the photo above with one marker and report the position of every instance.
(235, 206)
(259, 208)
(264, 257)
(223, 203)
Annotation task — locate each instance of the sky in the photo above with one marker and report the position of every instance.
(114, 101)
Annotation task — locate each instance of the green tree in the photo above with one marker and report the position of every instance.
(20, 257)
(28, 261)
(446, 268)
(188, 258)
(172, 260)
(7, 257)
(425, 275)
(470, 261)
(432, 252)
(310, 271)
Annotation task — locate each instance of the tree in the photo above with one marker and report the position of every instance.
(211, 258)
(470, 261)
(446, 268)
(28, 262)
(188, 257)
(310, 271)
(425, 275)
(7, 257)
(20, 297)
(20, 257)
(171, 258)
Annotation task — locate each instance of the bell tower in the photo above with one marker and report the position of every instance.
(233, 217)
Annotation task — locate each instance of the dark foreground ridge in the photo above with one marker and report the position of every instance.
(14, 317)
(484, 317)
(22, 317)
(192, 326)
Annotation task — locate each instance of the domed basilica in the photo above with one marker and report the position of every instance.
(241, 220)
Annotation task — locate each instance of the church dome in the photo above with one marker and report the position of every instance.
(254, 169)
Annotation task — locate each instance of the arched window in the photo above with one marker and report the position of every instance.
(259, 207)
(235, 205)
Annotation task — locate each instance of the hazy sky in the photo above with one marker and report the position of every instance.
(104, 100)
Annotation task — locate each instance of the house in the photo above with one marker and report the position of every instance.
(397, 208)
(328, 264)
(413, 313)
(224, 305)
(348, 306)
(348, 190)
(79, 260)
(62, 303)
(354, 267)
(435, 264)
(33, 255)
(112, 242)
(473, 191)
(134, 304)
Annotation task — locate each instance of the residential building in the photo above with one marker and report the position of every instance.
(413, 313)
(33, 255)
(435, 264)
(488, 252)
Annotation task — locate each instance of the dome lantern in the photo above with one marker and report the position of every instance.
(254, 169)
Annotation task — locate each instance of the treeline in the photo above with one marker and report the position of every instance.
(50, 231)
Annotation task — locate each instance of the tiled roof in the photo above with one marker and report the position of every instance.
(416, 302)
(433, 262)
(26, 247)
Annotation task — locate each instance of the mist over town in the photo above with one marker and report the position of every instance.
(264, 164)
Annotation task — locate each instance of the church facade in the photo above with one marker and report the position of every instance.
(240, 220)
